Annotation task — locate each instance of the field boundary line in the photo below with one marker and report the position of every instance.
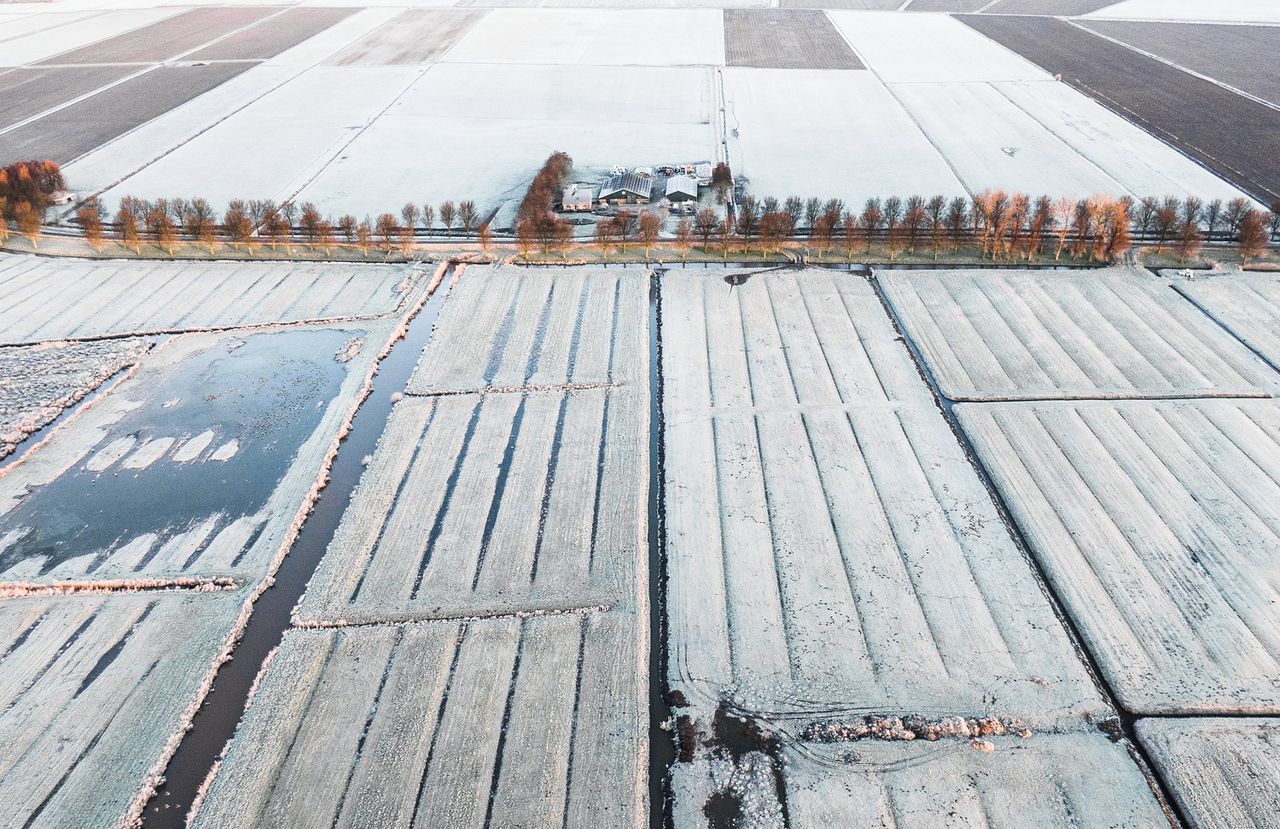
(145, 68)
(1177, 66)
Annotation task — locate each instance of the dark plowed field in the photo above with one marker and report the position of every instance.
(75, 130)
(1242, 56)
(781, 39)
(28, 92)
(1236, 137)
(414, 36)
(946, 5)
(166, 39)
(273, 36)
(841, 4)
(1057, 7)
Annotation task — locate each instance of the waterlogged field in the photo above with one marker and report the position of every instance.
(194, 469)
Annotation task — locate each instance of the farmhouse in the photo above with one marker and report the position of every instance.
(578, 197)
(627, 188)
(681, 188)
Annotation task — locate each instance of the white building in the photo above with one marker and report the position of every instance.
(578, 197)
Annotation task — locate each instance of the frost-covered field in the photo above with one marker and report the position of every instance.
(510, 327)
(1215, 11)
(1156, 522)
(1225, 772)
(829, 134)
(493, 503)
(992, 335)
(94, 691)
(1060, 781)
(532, 722)
(194, 468)
(72, 31)
(1247, 304)
(37, 382)
(52, 299)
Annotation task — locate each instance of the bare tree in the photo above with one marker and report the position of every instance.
(447, 214)
(1252, 236)
(485, 236)
(237, 223)
(89, 217)
(364, 237)
(279, 230)
(650, 225)
(812, 210)
(309, 222)
(849, 234)
(913, 220)
(1273, 220)
(162, 229)
(624, 227)
(563, 232)
(957, 221)
(325, 237)
(823, 231)
(428, 216)
(1234, 214)
(706, 223)
(604, 238)
(721, 181)
(468, 215)
(386, 228)
(526, 236)
(409, 213)
(1166, 220)
(1145, 214)
(794, 208)
(29, 222)
(1064, 210)
(1189, 242)
(748, 218)
(872, 219)
(684, 238)
(1212, 216)
(127, 226)
(347, 227)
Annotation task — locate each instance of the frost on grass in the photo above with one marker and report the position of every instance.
(493, 503)
(50, 299)
(1224, 773)
(832, 552)
(510, 327)
(38, 382)
(1248, 304)
(1157, 523)
(502, 722)
(197, 465)
(93, 691)
(998, 335)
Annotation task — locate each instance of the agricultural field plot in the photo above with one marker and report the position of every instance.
(28, 92)
(1000, 335)
(74, 130)
(1061, 781)
(37, 382)
(480, 504)
(1224, 53)
(166, 39)
(94, 693)
(504, 722)
(945, 5)
(779, 39)
(906, 48)
(198, 468)
(415, 36)
(1224, 773)
(1221, 11)
(293, 137)
(1061, 8)
(906, 594)
(462, 112)
(828, 135)
(29, 22)
(590, 37)
(1247, 304)
(67, 32)
(274, 35)
(1236, 137)
(887, 5)
(1156, 524)
(549, 329)
(101, 298)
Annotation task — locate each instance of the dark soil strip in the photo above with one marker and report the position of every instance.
(1060, 8)
(782, 39)
(75, 130)
(26, 92)
(271, 37)
(1235, 137)
(215, 722)
(166, 39)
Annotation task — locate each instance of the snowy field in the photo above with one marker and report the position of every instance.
(1208, 11)
(1062, 781)
(478, 504)
(581, 327)
(793, 390)
(1247, 304)
(1157, 524)
(992, 335)
(94, 693)
(37, 382)
(1225, 773)
(73, 31)
(828, 134)
(493, 722)
(107, 298)
(196, 468)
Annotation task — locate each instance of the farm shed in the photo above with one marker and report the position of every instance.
(627, 188)
(682, 188)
